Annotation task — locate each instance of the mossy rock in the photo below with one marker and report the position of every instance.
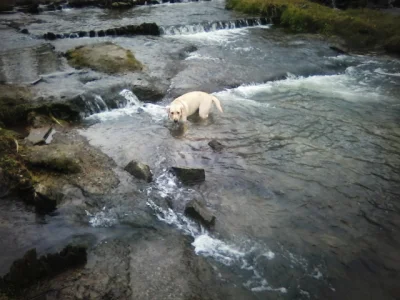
(104, 57)
(57, 158)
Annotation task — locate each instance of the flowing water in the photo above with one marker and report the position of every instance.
(305, 192)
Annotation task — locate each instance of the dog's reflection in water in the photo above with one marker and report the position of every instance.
(178, 130)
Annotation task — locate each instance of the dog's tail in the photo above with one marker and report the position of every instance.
(217, 103)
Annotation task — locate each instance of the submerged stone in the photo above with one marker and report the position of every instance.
(139, 170)
(215, 145)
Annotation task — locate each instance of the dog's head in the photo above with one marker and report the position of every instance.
(175, 112)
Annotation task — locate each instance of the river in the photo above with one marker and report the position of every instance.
(305, 192)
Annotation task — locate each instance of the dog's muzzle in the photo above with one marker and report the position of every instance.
(175, 121)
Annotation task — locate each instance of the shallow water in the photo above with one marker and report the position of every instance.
(306, 190)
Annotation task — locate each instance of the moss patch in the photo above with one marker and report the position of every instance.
(104, 57)
(360, 28)
(16, 177)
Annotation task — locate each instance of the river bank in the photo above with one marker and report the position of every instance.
(361, 29)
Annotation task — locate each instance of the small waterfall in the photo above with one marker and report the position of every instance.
(212, 26)
(131, 98)
(333, 3)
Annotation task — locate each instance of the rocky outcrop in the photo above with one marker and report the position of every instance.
(139, 170)
(104, 57)
(198, 211)
(189, 175)
(30, 269)
(18, 101)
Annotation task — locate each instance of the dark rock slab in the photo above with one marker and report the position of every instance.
(139, 170)
(189, 175)
(30, 269)
(196, 210)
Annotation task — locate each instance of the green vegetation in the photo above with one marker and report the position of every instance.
(360, 28)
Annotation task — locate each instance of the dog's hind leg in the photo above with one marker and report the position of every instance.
(204, 109)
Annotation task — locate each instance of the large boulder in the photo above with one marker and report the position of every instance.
(189, 175)
(104, 57)
(139, 170)
(196, 210)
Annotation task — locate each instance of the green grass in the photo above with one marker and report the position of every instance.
(360, 28)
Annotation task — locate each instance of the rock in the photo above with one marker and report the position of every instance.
(24, 31)
(104, 57)
(82, 33)
(46, 198)
(92, 33)
(4, 190)
(196, 210)
(101, 33)
(58, 158)
(392, 45)
(15, 177)
(29, 269)
(50, 36)
(189, 175)
(144, 28)
(215, 145)
(40, 136)
(139, 170)
(339, 49)
(111, 31)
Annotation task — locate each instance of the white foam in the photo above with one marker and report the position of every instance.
(133, 106)
(345, 86)
(218, 37)
(208, 246)
(197, 56)
(383, 72)
(103, 218)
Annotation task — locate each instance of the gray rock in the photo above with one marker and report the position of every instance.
(139, 170)
(215, 145)
(196, 210)
(189, 175)
(39, 136)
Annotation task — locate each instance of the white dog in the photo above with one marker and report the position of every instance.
(187, 104)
